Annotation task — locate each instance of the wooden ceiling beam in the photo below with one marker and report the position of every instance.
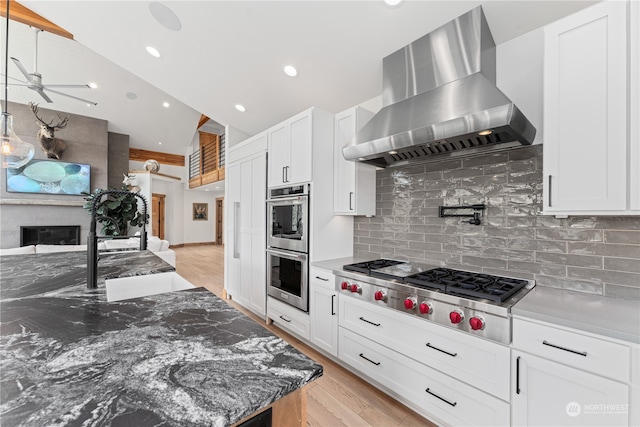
(20, 13)
(140, 155)
(203, 119)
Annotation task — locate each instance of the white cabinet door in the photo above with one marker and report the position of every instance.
(279, 154)
(232, 253)
(258, 261)
(245, 280)
(290, 150)
(355, 183)
(301, 136)
(546, 393)
(585, 112)
(323, 306)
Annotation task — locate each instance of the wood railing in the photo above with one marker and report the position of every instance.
(206, 165)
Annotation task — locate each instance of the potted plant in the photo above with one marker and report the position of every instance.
(122, 209)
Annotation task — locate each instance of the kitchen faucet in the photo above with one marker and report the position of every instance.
(92, 238)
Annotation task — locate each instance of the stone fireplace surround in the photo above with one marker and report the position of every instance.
(88, 141)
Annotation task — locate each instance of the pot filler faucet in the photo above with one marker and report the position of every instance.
(92, 239)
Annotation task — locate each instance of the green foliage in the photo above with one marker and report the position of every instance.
(123, 209)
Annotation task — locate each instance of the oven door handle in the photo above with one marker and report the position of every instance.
(289, 255)
(298, 198)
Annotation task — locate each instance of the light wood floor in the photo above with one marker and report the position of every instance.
(338, 398)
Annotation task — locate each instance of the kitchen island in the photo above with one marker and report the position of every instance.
(182, 358)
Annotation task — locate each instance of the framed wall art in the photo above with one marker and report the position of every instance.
(200, 211)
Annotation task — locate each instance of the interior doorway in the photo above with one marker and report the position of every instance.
(157, 215)
(219, 220)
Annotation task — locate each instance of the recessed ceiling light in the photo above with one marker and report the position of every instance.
(240, 108)
(159, 143)
(165, 16)
(131, 95)
(165, 104)
(290, 70)
(206, 189)
(93, 85)
(393, 2)
(88, 105)
(153, 51)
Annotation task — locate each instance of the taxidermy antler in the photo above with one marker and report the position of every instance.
(52, 146)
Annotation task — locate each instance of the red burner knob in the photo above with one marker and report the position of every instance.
(456, 316)
(344, 286)
(355, 289)
(380, 295)
(476, 323)
(410, 303)
(425, 308)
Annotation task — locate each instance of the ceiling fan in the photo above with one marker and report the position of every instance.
(34, 80)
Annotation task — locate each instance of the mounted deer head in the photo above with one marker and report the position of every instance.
(52, 146)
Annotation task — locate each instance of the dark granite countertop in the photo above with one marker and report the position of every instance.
(183, 358)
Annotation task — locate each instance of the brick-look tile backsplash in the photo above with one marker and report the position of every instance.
(599, 255)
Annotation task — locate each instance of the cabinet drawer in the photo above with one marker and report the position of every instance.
(447, 399)
(476, 361)
(288, 318)
(580, 351)
(323, 278)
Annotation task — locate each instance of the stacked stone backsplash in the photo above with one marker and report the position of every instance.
(598, 255)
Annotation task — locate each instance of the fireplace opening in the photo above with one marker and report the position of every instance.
(50, 235)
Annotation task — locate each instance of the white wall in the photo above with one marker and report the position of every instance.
(200, 231)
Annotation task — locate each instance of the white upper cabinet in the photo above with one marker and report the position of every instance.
(290, 150)
(354, 183)
(588, 148)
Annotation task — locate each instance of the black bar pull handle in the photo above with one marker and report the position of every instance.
(549, 190)
(333, 310)
(350, 200)
(286, 320)
(441, 398)
(371, 323)
(518, 375)
(369, 360)
(443, 351)
(322, 278)
(580, 353)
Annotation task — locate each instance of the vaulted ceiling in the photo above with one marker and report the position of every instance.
(233, 52)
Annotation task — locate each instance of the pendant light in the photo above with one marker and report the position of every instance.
(14, 152)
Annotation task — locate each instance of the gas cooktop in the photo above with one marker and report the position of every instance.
(454, 282)
(475, 303)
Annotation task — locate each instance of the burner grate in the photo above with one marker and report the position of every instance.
(462, 283)
(368, 266)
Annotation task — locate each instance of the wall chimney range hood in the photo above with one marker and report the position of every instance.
(440, 97)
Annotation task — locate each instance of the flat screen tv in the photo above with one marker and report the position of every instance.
(50, 177)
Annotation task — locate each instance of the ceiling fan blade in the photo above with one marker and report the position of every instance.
(74, 97)
(13, 78)
(21, 68)
(44, 95)
(69, 86)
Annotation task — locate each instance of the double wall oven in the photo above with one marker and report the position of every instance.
(288, 245)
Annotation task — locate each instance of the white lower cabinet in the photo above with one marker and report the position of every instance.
(448, 400)
(288, 318)
(481, 363)
(323, 310)
(547, 393)
(563, 377)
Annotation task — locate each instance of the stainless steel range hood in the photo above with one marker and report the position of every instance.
(440, 97)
